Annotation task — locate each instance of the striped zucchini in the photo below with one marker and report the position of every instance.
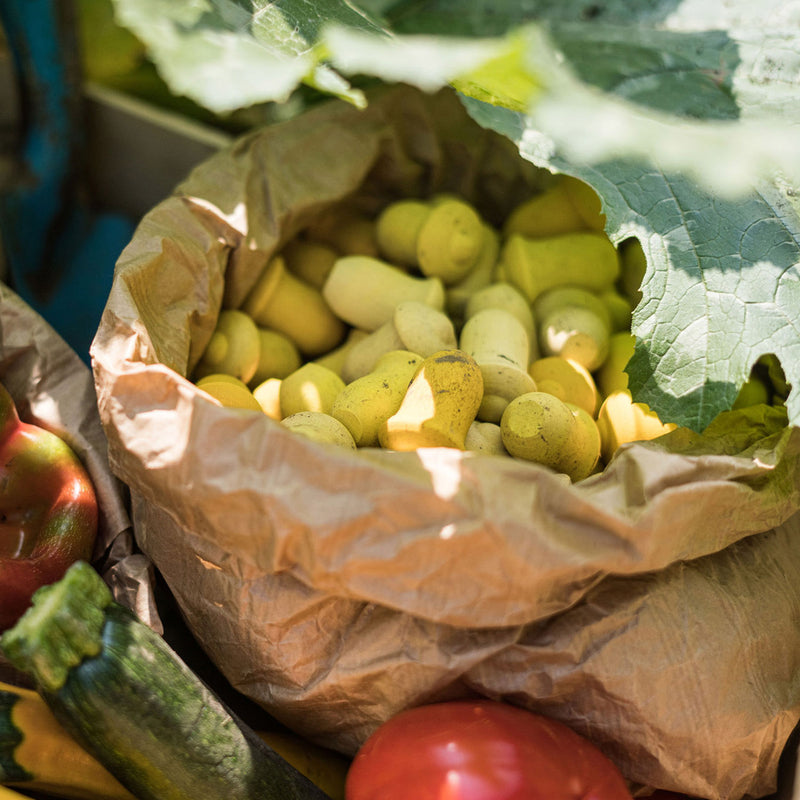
(129, 699)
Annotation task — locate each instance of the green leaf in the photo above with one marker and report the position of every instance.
(722, 289)
(226, 55)
(711, 91)
(683, 116)
(723, 281)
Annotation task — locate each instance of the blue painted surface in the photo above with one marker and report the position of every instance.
(60, 250)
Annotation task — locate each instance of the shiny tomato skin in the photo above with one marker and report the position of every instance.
(480, 750)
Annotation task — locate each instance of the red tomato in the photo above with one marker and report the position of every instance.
(480, 750)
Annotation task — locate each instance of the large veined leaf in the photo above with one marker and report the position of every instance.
(723, 280)
(684, 116)
(226, 55)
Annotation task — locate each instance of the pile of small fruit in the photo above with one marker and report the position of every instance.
(426, 326)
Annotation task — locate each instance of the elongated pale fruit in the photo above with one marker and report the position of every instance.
(278, 356)
(414, 326)
(575, 333)
(554, 299)
(498, 342)
(319, 427)
(439, 406)
(620, 421)
(567, 380)
(548, 213)
(397, 230)
(611, 376)
(362, 357)
(233, 348)
(567, 205)
(312, 387)
(586, 200)
(486, 438)
(282, 302)
(537, 427)
(229, 391)
(364, 405)
(364, 292)
(423, 329)
(500, 294)
(450, 241)
(535, 265)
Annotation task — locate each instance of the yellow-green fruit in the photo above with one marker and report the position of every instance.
(498, 342)
(450, 241)
(537, 426)
(423, 329)
(561, 296)
(364, 354)
(439, 406)
(480, 276)
(611, 375)
(233, 347)
(278, 356)
(230, 392)
(282, 302)
(575, 333)
(633, 265)
(268, 395)
(584, 259)
(587, 202)
(364, 292)
(397, 230)
(310, 261)
(620, 421)
(486, 438)
(219, 377)
(310, 388)
(582, 452)
(319, 427)
(364, 405)
(549, 213)
(500, 294)
(567, 380)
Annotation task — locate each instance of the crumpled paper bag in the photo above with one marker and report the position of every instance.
(653, 607)
(54, 389)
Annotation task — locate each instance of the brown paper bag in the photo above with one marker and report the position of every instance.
(653, 607)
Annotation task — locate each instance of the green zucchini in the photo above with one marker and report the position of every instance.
(129, 699)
